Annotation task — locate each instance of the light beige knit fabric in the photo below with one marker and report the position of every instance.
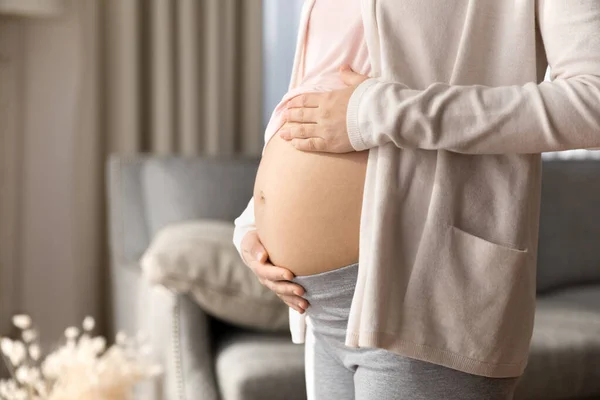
(455, 119)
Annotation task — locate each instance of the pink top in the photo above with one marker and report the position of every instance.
(334, 36)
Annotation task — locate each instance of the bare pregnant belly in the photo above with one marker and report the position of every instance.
(307, 207)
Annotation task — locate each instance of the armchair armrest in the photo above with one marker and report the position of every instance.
(178, 331)
(193, 344)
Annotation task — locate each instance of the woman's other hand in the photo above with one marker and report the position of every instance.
(275, 278)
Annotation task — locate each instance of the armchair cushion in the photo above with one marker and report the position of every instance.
(253, 366)
(198, 257)
(565, 346)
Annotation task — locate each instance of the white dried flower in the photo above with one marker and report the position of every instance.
(20, 394)
(21, 374)
(27, 375)
(29, 335)
(17, 353)
(22, 321)
(83, 368)
(121, 338)
(8, 389)
(4, 389)
(6, 346)
(89, 323)
(35, 352)
(98, 345)
(72, 332)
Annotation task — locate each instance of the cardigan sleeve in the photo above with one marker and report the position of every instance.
(562, 114)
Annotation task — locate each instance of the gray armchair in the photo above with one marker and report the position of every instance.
(206, 359)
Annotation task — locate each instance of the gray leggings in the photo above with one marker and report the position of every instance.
(345, 373)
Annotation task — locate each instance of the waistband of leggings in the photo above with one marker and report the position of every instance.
(333, 282)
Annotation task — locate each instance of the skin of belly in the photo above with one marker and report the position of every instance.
(307, 207)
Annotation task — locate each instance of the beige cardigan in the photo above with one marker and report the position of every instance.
(455, 119)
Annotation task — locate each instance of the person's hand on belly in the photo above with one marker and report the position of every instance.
(319, 119)
(275, 278)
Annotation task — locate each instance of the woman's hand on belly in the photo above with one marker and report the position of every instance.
(275, 278)
(320, 118)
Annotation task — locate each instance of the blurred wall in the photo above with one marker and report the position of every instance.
(42, 104)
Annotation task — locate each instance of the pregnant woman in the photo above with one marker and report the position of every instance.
(396, 205)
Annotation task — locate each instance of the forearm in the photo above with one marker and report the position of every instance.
(530, 118)
(534, 118)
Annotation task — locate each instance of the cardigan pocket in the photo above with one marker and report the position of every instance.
(491, 291)
(475, 237)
